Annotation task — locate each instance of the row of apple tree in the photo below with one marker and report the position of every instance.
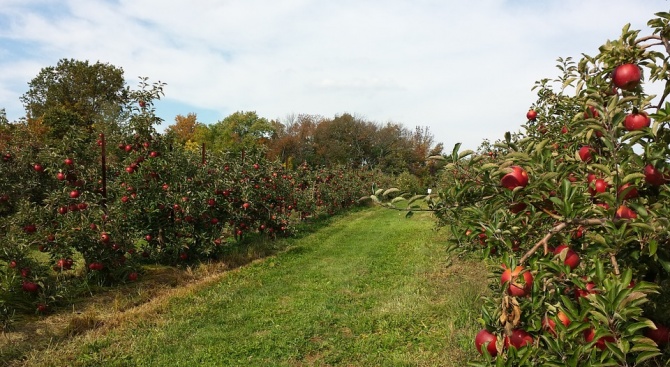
(94, 208)
(573, 212)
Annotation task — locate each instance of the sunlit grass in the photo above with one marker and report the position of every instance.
(370, 289)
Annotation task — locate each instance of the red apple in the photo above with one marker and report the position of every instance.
(626, 76)
(637, 121)
(585, 153)
(105, 238)
(60, 176)
(598, 186)
(625, 212)
(590, 333)
(591, 112)
(30, 287)
(589, 288)
(38, 168)
(486, 340)
(629, 190)
(68, 161)
(571, 257)
(517, 178)
(95, 266)
(531, 115)
(564, 130)
(132, 276)
(549, 324)
(519, 338)
(74, 194)
(516, 208)
(514, 286)
(653, 176)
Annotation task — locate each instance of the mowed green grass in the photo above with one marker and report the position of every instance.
(371, 289)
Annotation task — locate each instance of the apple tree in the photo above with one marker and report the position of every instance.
(573, 213)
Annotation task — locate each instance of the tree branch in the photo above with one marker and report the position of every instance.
(647, 38)
(556, 229)
(543, 242)
(615, 264)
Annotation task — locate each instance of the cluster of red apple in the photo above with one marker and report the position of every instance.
(518, 282)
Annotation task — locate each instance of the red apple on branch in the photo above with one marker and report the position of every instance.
(571, 257)
(519, 282)
(531, 115)
(585, 153)
(653, 176)
(626, 76)
(517, 178)
(486, 340)
(624, 212)
(519, 338)
(636, 121)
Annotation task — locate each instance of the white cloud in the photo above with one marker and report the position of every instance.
(463, 68)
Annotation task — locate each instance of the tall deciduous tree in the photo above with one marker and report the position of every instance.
(74, 93)
(184, 127)
(241, 131)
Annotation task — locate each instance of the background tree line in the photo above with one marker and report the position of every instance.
(82, 99)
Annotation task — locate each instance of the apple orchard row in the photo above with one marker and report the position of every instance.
(63, 218)
(550, 311)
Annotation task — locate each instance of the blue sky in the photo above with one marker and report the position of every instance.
(464, 69)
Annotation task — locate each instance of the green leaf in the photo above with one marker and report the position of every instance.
(489, 166)
(465, 153)
(612, 347)
(664, 264)
(640, 325)
(390, 191)
(653, 247)
(415, 198)
(602, 168)
(631, 177)
(643, 226)
(364, 198)
(540, 146)
(645, 356)
(520, 155)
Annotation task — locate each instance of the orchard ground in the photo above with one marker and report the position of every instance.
(368, 288)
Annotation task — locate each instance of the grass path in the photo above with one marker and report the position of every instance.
(370, 289)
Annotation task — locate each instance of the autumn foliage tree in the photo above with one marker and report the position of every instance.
(184, 128)
(74, 94)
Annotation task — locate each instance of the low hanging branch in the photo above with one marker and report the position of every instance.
(544, 242)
